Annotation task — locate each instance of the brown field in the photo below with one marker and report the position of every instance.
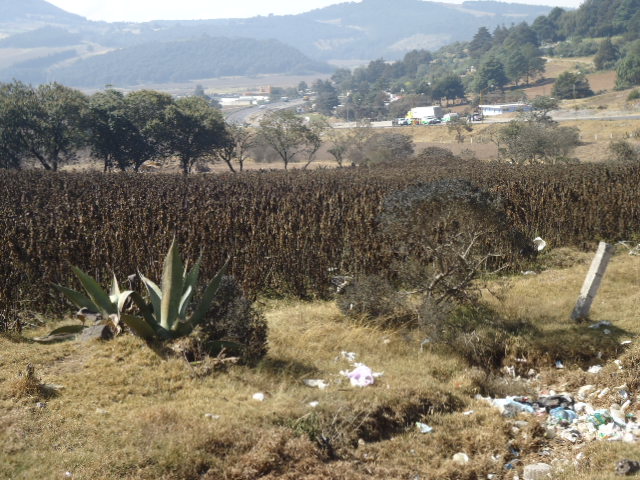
(599, 81)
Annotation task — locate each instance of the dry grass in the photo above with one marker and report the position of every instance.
(126, 413)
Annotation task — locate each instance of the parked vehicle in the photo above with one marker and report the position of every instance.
(430, 121)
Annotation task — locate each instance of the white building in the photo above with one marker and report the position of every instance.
(491, 110)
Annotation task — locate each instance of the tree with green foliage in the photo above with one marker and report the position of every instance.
(287, 134)
(521, 35)
(326, 97)
(414, 60)
(500, 35)
(535, 62)
(112, 134)
(449, 87)
(481, 43)
(191, 130)
(546, 29)
(628, 71)
(127, 130)
(145, 109)
(541, 106)
(490, 75)
(607, 55)
(44, 124)
(516, 65)
(572, 85)
(16, 99)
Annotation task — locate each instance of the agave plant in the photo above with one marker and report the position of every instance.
(108, 306)
(97, 300)
(169, 313)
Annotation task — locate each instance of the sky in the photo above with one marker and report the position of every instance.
(144, 10)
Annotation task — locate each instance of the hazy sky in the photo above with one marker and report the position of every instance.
(142, 10)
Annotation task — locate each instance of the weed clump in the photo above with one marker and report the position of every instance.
(9, 320)
(374, 301)
(232, 316)
(28, 384)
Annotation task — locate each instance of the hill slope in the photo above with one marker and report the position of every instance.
(33, 12)
(43, 35)
(179, 61)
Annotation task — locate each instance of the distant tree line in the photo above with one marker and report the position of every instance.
(48, 125)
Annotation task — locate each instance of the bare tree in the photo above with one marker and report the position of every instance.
(239, 139)
(287, 134)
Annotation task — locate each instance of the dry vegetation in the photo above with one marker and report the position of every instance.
(284, 231)
(121, 411)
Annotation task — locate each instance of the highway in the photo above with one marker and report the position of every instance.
(252, 115)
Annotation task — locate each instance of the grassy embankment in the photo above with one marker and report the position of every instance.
(124, 412)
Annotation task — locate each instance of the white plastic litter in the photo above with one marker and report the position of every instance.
(604, 323)
(361, 376)
(595, 369)
(423, 427)
(259, 397)
(314, 404)
(315, 383)
(585, 391)
(348, 356)
(461, 458)
(539, 243)
(559, 364)
(212, 416)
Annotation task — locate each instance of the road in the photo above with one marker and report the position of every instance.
(559, 116)
(251, 115)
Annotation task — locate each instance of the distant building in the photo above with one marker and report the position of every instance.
(492, 110)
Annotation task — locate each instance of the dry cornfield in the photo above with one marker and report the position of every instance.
(285, 231)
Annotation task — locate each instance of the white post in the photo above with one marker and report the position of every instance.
(592, 281)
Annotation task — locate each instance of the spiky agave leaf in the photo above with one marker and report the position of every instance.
(77, 298)
(95, 292)
(172, 283)
(208, 296)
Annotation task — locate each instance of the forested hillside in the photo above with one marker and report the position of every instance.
(204, 57)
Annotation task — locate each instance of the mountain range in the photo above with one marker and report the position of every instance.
(44, 43)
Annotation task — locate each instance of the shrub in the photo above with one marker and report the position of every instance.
(435, 156)
(623, 151)
(233, 317)
(374, 301)
(633, 95)
(478, 334)
(444, 234)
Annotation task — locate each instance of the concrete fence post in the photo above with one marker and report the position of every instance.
(592, 281)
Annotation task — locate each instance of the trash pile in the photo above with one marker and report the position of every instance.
(573, 418)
